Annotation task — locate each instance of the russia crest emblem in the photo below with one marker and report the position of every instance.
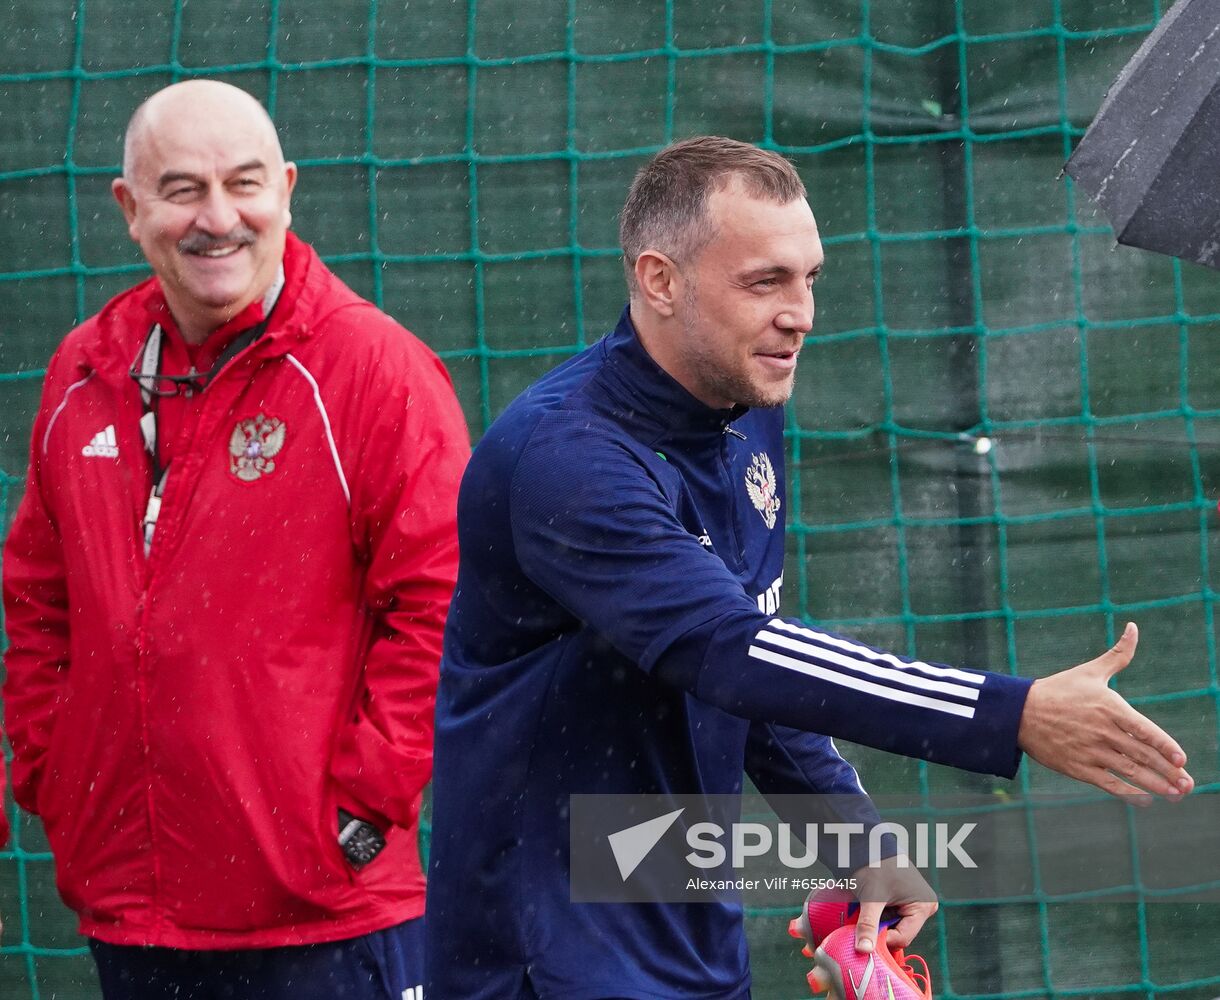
(763, 488)
(253, 446)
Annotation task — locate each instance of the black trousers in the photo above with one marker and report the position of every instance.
(383, 965)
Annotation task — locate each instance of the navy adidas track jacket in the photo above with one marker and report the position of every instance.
(614, 630)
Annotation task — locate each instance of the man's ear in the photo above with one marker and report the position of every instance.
(127, 202)
(290, 182)
(658, 280)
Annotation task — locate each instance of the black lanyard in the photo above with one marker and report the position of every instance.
(153, 385)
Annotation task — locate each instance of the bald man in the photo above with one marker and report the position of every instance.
(225, 589)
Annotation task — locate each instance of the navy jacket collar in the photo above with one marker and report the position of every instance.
(651, 390)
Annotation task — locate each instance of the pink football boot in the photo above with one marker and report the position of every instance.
(825, 910)
(878, 975)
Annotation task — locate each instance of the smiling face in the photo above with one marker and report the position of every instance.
(205, 191)
(743, 305)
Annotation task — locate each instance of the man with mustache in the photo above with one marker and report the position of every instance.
(224, 592)
(615, 628)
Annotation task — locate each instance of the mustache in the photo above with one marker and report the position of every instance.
(198, 242)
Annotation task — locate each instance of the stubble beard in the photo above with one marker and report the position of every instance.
(717, 380)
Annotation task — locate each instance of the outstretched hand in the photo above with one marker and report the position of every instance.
(1075, 724)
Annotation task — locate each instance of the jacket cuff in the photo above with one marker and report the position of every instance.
(1002, 702)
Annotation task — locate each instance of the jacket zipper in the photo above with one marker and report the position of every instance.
(734, 518)
(150, 568)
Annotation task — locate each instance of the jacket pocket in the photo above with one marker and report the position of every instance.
(328, 836)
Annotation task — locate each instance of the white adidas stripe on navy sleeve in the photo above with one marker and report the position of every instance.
(868, 671)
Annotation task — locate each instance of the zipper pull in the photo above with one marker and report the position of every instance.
(151, 513)
(729, 429)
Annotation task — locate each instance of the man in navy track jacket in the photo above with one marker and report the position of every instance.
(615, 628)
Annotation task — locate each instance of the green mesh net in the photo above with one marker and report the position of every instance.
(1005, 431)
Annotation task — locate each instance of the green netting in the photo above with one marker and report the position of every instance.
(462, 165)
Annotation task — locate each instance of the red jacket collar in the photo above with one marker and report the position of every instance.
(124, 322)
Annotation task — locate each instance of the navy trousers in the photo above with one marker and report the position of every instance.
(384, 965)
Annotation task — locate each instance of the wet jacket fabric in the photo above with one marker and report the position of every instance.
(615, 630)
(187, 724)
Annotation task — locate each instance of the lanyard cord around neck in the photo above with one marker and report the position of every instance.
(149, 377)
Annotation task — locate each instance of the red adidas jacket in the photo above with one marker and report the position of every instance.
(187, 723)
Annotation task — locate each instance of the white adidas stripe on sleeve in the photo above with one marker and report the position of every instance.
(856, 683)
(46, 437)
(330, 437)
(893, 675)
(861, 652)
